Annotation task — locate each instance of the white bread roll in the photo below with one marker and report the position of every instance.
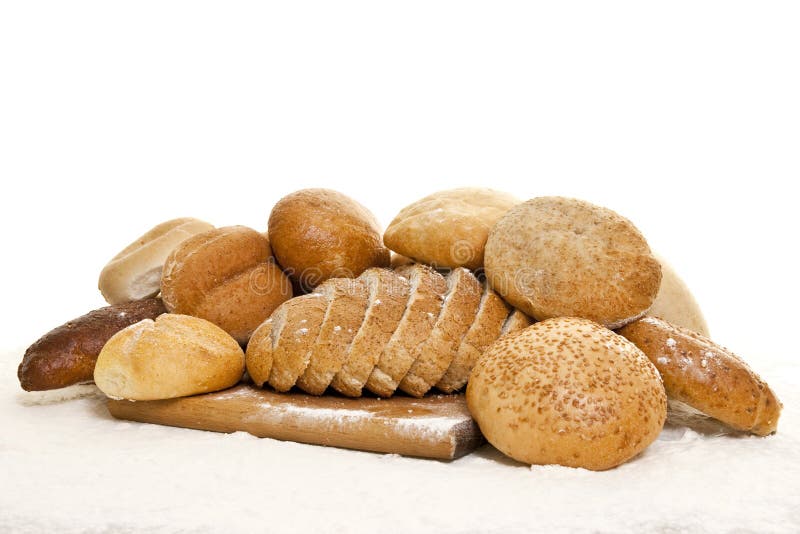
(675, 303)
(173, 356)
(135, 273)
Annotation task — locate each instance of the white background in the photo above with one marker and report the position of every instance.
(683, 116)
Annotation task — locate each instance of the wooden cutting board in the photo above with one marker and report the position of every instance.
(437, 426)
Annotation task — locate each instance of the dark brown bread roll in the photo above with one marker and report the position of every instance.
(67, 355)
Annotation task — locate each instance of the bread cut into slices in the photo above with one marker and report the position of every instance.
(516, 321)
(295, 326)
(387, 299)
(458, 313)
(485, 329)
(347, 298)
(426, 294)
(258, 357)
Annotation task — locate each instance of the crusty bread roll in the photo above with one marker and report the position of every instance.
(459, 309)
(66, 355)
(448, 229)
(426, 294)
(135, 273)
(675, 303)
(567, 391)
(226, 276)
(317, 234)
(388, 325)
(484, 330)
(554, 256)
(706, 376)
(173, 356)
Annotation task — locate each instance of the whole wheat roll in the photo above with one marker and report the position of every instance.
(706, 376)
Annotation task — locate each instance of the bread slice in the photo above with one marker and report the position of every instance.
(387, 299)
(295, 326)
(485, 329)
(517, 320)
(258, 358)
(426, 294)
(458, 313)
(347, 299)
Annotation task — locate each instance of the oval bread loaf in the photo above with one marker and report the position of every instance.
(135, 273)
(173, 356)
(707, 377)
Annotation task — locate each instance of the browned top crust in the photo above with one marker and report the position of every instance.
(706, 376)
(317, 234)
(554, 256)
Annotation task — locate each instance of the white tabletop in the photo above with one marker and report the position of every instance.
(69, 467)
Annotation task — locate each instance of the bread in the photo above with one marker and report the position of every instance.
(484, 330)
(459, 310)
(426, 294)
(295, 328)
(516, 322)
(135, 273)
(398, 260)
(318, 234)
(707, 377)
(386, 301)
(225, 276)
(173, 356)
(675, 303)
(553, 257)
(448, 229)
(347, 305)
(66, 355)
(567, 391)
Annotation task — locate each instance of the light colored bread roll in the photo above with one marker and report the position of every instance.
(567, 391)
(317, 234)
(173, 356)
(484, 330)
(554, 257)
(135, 273)
(706, 376)
(226, 276)
(426, 295)
(675, 303)
(459, 310)
(448, 229)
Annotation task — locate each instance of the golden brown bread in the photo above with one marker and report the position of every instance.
(448, 229)
(173, 356)
(135, 273)
(554, 257)
(225, 276)
(318, 234)
(67, 355)
(567, 391)
(706, 376)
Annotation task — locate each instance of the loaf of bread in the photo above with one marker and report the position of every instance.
(410, 329)
(706, 376)
(173, 356)
(135, 273)
(675, 303)
(226, 276)
(66, 355)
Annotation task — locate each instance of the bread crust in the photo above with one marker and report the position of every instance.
(484, 330)
(387, 299)
(67, 355)
(554, 257)
(426, 294)
(317, 234)
(347, 304)
(448, 229)
(567, 391)
(226, 276)
(675, 303)
(706, 376)
(258, 356)
(173, 356)
(135, 272)
(458, 312)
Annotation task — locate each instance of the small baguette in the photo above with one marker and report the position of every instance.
(706, 376)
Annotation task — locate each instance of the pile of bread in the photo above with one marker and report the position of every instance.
(567, 332)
